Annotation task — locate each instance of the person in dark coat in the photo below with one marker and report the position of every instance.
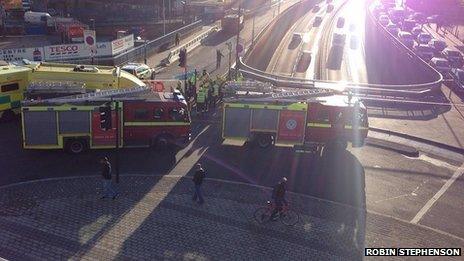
(278, 195)
(108, 189)
(197, 181)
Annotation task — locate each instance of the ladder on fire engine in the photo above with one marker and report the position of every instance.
(99, 94)
(310, 93)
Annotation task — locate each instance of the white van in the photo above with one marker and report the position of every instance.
(36, 17)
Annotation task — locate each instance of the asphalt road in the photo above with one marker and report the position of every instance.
(386, 182)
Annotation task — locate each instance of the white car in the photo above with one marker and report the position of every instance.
(441, 65)
(406, 38)
(424, 38)
(140, 70)
(384, 20)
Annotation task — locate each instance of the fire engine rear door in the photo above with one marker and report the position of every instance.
(236, 122)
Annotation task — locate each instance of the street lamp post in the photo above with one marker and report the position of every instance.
(92, 21)
(164, 18)
(229, 46)
(238, 40)
(253, 32)
(145, 52)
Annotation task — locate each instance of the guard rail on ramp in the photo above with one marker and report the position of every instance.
(194, 43)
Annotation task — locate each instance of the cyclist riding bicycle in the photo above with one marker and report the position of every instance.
(278, 195)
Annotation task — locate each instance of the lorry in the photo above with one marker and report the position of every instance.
(230, 22)
(139, 117)
(309, 125)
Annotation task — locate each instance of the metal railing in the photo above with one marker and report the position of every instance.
(153, 45)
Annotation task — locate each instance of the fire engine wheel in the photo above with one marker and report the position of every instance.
(264, 140)
(76, 146)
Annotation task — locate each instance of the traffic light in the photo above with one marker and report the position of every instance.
(183, 57)
(105, 117)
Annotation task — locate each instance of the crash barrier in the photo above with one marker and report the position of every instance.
(151, 46)
(427, 72)
(194, 43)
(377, 89)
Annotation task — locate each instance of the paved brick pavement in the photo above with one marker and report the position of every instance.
(154, 218)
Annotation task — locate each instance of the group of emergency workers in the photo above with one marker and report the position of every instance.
(206, 91)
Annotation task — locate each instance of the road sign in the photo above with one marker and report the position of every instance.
(90, 39)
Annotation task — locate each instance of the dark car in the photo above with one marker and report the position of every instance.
(340, 22)
(316, 8)
(437, 45)
(330, 8)
(419, 17)
(441, 65)
(317, 21)
(458, 79)
(454, 57)
(424, 51)
(408, 24)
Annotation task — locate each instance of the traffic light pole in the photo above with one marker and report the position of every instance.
(117, 140)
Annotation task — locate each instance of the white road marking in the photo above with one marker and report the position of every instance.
(437, 162)
(442, 191)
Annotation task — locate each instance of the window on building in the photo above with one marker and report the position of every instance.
(10, 87)
(141, 114)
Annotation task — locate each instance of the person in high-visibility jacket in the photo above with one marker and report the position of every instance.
(215, 92)
(201, 101)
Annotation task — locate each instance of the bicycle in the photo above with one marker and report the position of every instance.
(286, 215)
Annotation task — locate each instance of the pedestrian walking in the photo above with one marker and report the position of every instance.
(197, 181)
(108, 189)
(278, 195)
(177, 39)
(219, 56)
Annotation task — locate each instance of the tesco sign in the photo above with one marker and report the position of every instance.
(65, 51)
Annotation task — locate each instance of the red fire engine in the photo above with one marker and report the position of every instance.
(141, 116)
(307, 124)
